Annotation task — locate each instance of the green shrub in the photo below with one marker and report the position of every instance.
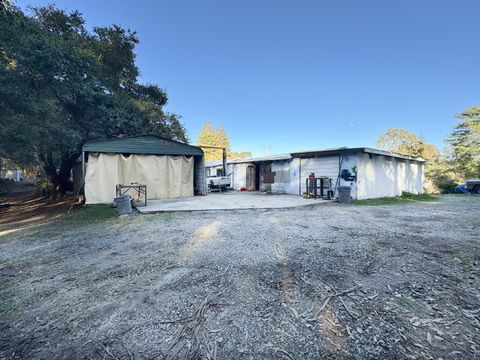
(45, 187)
(446, 185)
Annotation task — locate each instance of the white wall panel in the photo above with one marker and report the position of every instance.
(282, 177)
(382, 176)
(239, 175)
(294, 185)
(321, 166)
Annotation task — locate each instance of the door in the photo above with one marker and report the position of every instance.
(267, 177)
(250, 178)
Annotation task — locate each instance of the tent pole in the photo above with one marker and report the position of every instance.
(83, 166)
(224, 162)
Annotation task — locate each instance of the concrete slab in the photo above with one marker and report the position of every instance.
(231, 200)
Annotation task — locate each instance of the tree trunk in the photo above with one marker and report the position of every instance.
(59, 178)
(66, 165)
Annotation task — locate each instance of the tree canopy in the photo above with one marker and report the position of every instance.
(465, 143)
(211, 136)
(63, 85)
(459, 161)
(403, 142)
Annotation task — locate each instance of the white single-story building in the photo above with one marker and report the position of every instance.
(12, 174)
(370, 173)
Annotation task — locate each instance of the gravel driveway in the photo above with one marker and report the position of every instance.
(395, 282)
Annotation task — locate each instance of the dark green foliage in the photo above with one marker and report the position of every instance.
(442, 176)
(62, 85)
(465, 144)
(45, 188)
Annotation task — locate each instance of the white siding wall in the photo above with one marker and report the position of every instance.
(293, 187)
(381, 176)
(282, 177)
(321, 166)
(281, 185)
(239, 175)
(229, 171)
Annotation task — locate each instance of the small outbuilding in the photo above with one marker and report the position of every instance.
(168, 168)
(12, 174)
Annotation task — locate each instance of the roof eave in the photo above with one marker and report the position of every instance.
(96, 146)
(345, 150)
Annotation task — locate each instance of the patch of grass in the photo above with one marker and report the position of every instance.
(406, 197)
(379, 201)
(6, 307)
(418, 197)
(404, 301)
(40, 294)
(456, 279)
(4, 286)
(155, 217)
(167, 217)
(93, 213)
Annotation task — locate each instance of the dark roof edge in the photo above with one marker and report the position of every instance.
(138, 136)
(98, 141)
(346, 150)
(392, 154)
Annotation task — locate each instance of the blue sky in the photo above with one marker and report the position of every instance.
(295, 75)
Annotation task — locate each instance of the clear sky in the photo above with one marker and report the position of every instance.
(304, 74)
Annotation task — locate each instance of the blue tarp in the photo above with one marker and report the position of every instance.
(460, 189)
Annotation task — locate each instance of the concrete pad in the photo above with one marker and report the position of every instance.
(231, 200)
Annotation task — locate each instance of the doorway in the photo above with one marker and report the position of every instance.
(251, 178)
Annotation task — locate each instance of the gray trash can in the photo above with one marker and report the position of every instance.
(344, 194)
(123, 204)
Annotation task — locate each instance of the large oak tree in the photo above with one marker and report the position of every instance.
(62, 85)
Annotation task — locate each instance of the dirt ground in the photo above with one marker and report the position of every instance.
(331, 281)
(22, 208)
